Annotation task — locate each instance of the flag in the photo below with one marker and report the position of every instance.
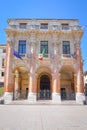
(16, 54)
(40, 57)
(74, 55)
(43, 52)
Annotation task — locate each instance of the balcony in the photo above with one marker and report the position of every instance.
(67, 59)
(45, 56)
(51, 28)
(23, 56)
(66, 56)
(45, 60)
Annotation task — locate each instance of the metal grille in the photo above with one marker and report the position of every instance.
(44, 95)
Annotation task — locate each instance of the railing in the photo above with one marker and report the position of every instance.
(23, 55)
(44, 95)
(51, 27)
(22, 94)
(44, 56)
(66, 55)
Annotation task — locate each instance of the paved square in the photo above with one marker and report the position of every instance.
(43, 117)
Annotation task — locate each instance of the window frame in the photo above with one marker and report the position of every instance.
(3, 62)
(2, 74)
(66, 48)
(4, 50)
(22, 47)
(44, 26)
(22, 25)
(44, 46)
(65, 26)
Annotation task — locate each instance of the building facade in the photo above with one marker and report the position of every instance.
(51, 67)
(2, 63)
(85, 85)
(85, 78)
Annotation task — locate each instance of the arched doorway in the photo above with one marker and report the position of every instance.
(20, 83)
(45, 88)
(67, 83)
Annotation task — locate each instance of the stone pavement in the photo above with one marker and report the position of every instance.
(43, 117)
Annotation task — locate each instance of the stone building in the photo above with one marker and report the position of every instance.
(2, 63)
(51, 67)
(85, 84)
(85, 78)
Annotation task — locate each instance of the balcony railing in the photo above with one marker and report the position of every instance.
(44, 56)
(51, 27)
(66, 55)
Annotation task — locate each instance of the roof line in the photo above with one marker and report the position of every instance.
(39, 19)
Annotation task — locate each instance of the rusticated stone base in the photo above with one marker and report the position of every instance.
(32, 97)
(56, 97)
(80, 98)
(8, 97)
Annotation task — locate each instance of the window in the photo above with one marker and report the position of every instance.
(66, 47)
(22, 46)
(44, 48)
(23, 25)
(2, 74)
(3, 62)
(4, 50)
(65, 27)
(1, 84)
(44, 26)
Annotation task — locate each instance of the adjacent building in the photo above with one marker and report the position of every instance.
(2, 63)
(43, 60)
(85, 84)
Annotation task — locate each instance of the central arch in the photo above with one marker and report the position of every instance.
(44, 87)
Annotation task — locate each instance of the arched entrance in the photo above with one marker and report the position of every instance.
(20, 83)
(44, 88)
(67, 83)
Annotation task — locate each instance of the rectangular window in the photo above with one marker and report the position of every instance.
(65, 27)
(1, 84)
(22, 47)
(44, 48)
(2, 74)
(66, 47)
(44, 26)
(22, 25)
(4, 50)
(3, 62)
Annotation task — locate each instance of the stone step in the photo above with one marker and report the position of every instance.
(43, 102)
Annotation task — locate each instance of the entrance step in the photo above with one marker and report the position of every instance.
(68, 102)
(42, 102)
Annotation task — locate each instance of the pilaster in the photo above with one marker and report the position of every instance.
(56, 88)
(32, 78)
(9, 78)
(80, 97)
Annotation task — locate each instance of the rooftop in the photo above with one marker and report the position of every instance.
(11, 19)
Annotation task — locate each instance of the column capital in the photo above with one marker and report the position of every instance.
(77, 44)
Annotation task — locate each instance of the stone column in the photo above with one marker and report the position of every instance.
(32, 78)
(80, 97)
(75, 82)
(56, 88)
(9, 85)
(17, 85)
(55, 76)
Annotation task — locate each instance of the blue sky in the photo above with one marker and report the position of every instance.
(60, 9)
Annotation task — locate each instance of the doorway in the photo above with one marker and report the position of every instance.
(63, 93)
(45, 91)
